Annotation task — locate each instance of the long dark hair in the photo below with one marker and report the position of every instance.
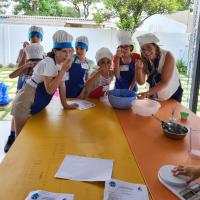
(144, 59)
(51, 54)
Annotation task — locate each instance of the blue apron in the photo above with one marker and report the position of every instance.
(42, 98)
(126, 77)
(21, 81)
(155, 77)
(75, 83)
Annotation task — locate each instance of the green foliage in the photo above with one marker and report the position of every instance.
(83, 6)
(132, 13)
(39, 7)
(3, 5)
(182, 67)
(70, 12)
(53, 8)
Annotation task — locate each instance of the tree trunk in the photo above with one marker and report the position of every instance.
(34, 6)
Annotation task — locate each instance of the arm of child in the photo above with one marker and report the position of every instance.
(139, 72)
(89, 83)
(133, 82)
(51, 84)
(62, 91)
(22, 60)
(20, 70)
(116, 63)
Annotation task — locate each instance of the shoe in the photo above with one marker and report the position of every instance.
(9, 143)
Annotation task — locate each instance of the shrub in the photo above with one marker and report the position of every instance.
(11, 65)
(182, 67)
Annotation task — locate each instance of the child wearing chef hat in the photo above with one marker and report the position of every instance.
(124, 62)
(48, 75)
(79, 71)
(34, 53)
(98, 84)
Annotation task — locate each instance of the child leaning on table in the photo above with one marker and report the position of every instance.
(193, 172)
(100, 80)
(48, 75)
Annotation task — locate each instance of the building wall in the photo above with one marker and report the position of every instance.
(12, 38)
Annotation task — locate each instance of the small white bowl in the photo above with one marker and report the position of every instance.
(145, 107)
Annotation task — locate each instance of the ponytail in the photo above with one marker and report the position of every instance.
(52, 53)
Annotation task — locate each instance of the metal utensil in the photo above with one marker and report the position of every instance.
(173, 119)
(172, 129)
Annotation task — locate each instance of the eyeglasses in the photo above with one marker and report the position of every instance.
(147, 49)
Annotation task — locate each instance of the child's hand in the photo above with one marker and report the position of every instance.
(67, 64)
(25, 44)
(71, 106)
(118, 52)
(192, 172)
(143, 95)
(81, 96)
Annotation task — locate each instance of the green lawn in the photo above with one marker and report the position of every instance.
(12, 83)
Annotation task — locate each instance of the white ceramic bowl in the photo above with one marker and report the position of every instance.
(145, 107)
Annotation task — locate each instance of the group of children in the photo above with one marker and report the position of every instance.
(40, 75)
(71, 72)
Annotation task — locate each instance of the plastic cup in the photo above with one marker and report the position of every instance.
(184, 115)
(195, 143)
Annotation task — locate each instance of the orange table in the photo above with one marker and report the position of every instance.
(152, 148)
(40, 148)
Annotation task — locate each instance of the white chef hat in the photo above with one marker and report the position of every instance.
(124, 38)
(82, 41)
(103, 53)
(62, 39)
(147, 39)
(36, 31)
(34, 51)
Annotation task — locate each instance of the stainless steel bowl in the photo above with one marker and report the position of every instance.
(174, 130)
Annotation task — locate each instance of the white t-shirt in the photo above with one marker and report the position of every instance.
(46, 67)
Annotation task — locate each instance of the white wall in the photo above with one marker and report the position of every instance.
(12, 38)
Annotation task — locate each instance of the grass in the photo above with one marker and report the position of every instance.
(12, 84)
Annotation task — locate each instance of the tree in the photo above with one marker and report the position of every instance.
(3, 5)
(70, 12)
(39, 7)
(132, 13)
(86, 4)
